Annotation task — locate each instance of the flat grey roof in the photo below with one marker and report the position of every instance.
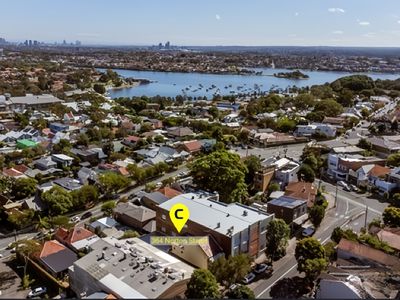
(134, 269)
(36, 99)
(286, 202)
(209, 213)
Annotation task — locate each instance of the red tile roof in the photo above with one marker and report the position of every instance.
(192, 146)
(169, 192)
(74, 235)
(132, 138)
(379, 171)
(51, 247)
(303, 191)
(12, 172)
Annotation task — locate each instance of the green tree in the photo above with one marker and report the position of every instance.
(21, 219)
(24, 187)
(310, 256)
(241, 292)
(108, 207)
(99, 88)
(223, 172)
(111, 182)
(286, 125)
(159, 139)
(83, 139)
(391, 216)
(87, 194)
(27, 248)
(277, 237)
(202, 285)
(273, 187)
(128, 234)
(393, 160)
(365, 144)
(316, 214)
(150, 187)
(231, 270)
(253, 164)
(306, 173)
(61, 221)
(58, 200)
(6, 185)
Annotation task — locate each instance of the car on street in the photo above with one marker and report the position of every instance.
(1, 255)
(347, 188)
(309, 231)
(39, 291)
(86, 215)
(341, 183)
(354, 188)
(263, 268)
(75, 219)
(249, 278)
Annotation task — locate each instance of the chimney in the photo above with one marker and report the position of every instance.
(218, 225)
(228, 215)
(245, 213)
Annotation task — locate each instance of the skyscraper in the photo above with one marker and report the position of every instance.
(167, 45)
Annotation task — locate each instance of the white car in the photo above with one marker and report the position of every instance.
(342, 184)
(75, 219)
(249, 278)
(37, 292)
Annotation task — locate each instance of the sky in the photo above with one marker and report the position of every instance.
(204, 22)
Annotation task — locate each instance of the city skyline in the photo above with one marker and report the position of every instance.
(258, 23)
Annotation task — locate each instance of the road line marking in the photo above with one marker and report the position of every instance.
(284, 274)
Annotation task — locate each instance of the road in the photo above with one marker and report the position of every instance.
(349, 213)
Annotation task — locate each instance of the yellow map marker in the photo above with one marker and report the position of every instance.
(179, 214)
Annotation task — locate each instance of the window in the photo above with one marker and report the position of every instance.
(163, 217)
(163, 229)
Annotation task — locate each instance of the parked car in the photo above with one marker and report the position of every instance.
(262, 268)
(354, 188)
(309, 231)
(342, 183)
(75, 219)
(37, 292)
(86, 215)
(249, 278)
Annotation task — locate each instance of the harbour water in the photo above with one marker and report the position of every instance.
(171, 84)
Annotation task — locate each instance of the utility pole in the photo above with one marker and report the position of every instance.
(366, 216)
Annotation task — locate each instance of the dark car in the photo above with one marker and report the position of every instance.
(86, 215)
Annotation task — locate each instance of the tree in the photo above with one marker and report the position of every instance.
(286, 125)
(112, 182)
(83, 139)
(6, 185)
(277, 237)
(223, 172)
(365, 144)
(202, 285)
(99, 88)
(21, 219)
(393, 160)
(273, 187)
(231, 270)
(310, 256)
(58, 200)
(87, 194)
(306, 173)
(150, 187)
(24, 187)
(108, 207)
(61, 221)
(159, 139)
(129, 234)
(391, 216)
(27, 248)
(316, 214)
(338, 233)
(241, 292)
(253, 164)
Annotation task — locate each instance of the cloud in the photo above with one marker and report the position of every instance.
(337, 32)
(217, 17)
(363, 23)
(296, 14)
(369, 35)
(398, 21)
(336, 10)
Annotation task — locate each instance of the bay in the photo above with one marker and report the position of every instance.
(171, 84)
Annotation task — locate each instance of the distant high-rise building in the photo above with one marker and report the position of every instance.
(35, 43)
(1, 52)
(167, 45)
(64, 42)
(30, 43)
(3, 41)
(78, 43)
(160, 46)
(26, 43)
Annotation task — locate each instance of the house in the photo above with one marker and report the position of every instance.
(375, 176)
(286, 171)
(14, 172)
(366, 255)
(138, 217)
(314, 128)
(289, 209)
(67, 183)
(77, 238)
(107, 226)
(179, 132)
(38, 102)
(200, 255)
(56, 258)
(89, 155)
(169, 192)
(236, 228)
(44, 163)
(134, 270)
(153, 200)
(62, 160)
(384, 146)
(228, 106)
(334, 121)
(304, 191)
(391, 236)
(25, 144)
(58, 127)
(154, 155)
(131, 140)
(268, 137)
(87, 175)
(192, 147)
